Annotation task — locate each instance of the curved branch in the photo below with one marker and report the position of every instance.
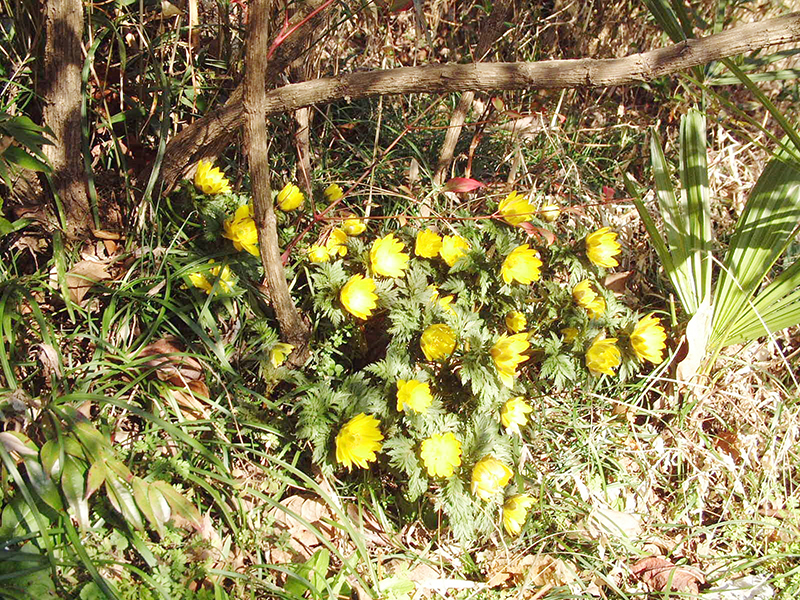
(191, 144)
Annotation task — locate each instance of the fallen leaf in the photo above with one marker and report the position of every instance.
(617, 282)
(698, 331)
(51, 366)
(662, 575)
(302, 540)
(192, 399)
(171, 363)
(607, 522)
(541, 570)
(82, 276)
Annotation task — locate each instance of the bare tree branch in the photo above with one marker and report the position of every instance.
(190, 144)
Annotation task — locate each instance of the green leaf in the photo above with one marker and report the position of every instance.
(95, 478)
(73, 486)
(121, 498)
(140, 490)
(50, 455)
(160, 507)
(18, 156)
(42, 484)
(767, 225)
(695, 200)
(178, 502)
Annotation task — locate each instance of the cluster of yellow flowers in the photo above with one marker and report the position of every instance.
(360, 440)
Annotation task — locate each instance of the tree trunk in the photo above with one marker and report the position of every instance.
(61, 90)
(293, 329)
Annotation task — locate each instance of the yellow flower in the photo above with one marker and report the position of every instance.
(489, 477)
(516, 209)
(603, 356)
(354, 227)
(602, 247)
(318, 254)
(241, 230)
(387, 257)
(445, 302)
(358, 296)
(210, 180)
(453, 248)
(279, 353)
(515, 414)
(290, 197)
(413, 394)
(224, 279)
(441, 454)
(585, 297)
(549, 212)
(516, 321)
(521, 265)
(336, 243)
(648, 339)
(507, 355)
(333, 193)
(428, 244)
(358, 441)
(438, 342)
(515, 511)
(569, 333)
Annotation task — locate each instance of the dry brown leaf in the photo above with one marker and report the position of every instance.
(171, 364)
(541, 570)
(302, 540)
(617, 282)
(368, 525)
(660, 575)
(547, 570)
(192, 399)
(82, 276)
(49, 359)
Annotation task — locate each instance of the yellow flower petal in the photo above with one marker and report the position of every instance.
(602, 247)
(414, 395)
(210, 180)
(603, 356)
(522, 265)
(242, 231)
(279, 352)
(441, 454)
(333, 192)
(507, 356)
(516, 209)
(318, 254)
(649, 339)
(515, 511)
(354, 227)
(428, 244)
(516, 321)
(387, 257)
(489, 477)
(358, 296)
(514, 414)
(290, 197)
(438, 342)
(453, 248)
(358, 441)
